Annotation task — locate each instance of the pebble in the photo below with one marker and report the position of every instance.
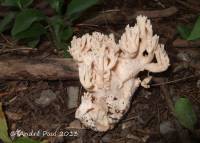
(73, 94)
(75, 124)
(166, 127)
(198, 84)
(46, 98)
(107, 138)
(180, 67)
(184, 57)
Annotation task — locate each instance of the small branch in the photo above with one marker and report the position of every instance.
(9, 93)
(85, 24)
(110, 10)
(112, 17)
(37, 69)
(192, 7)
(174, 81)
(165, 91)
(185, 43)
(116, 16)
(156, 13)
(23, 50)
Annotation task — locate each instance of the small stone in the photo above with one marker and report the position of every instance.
(198, 84)
(166, 127)
(107, 138)
(183, 56)
(46, 97)
(73, 94)
(75, 124)
(180, 67)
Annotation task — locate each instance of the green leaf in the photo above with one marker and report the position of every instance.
(25, 19)
(3, 127)
(24, 3)
(9, 3)
(185, 113)
(66, 53)
(57, 5)
(60, 32)
(6, 21)
(25, 140)
(195, 33)
(17, 3)
(33, 42)
(187, 33)
(184, 31)
(58, 24)
(35, 30)
(66, 34)
(74, 17)
(78, 6)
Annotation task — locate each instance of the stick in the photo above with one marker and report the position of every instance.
(192, 7)
(173, 81)
(185, 43)
(116, 16)
(156, 13)
(37, 69)
(183, 135)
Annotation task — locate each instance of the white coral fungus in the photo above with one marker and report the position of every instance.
(108, 71)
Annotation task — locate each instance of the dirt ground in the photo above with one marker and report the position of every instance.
(150, 111)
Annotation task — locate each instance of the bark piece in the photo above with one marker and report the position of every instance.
(115, 17)
(38, 69)
(185, 43)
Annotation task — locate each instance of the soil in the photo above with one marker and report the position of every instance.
(150, 108)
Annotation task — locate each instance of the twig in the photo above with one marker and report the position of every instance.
(116, 16)
(37, 69)
(112, 17)
(85, 24)
(22, 50)
(183, 135)
(111, 10)
(174, 81)
(147, 131)
(7, 41)
(4, 94)
(15, 90)
(156, 13)
(192, 7)
(185, 43)
(165, 92)
(129, 119)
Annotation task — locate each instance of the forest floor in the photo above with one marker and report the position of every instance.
(150, 118)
